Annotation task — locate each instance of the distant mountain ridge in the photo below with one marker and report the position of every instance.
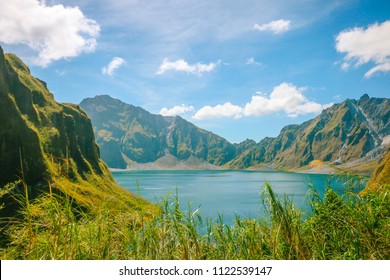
(343, 133)
(127, 134)
(354, 131)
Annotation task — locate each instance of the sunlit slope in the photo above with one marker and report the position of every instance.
(381, 175)
(49, 145)
(353, 132)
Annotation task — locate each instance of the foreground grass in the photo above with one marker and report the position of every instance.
(339, 227)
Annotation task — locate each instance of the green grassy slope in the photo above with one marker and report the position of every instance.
(381, 175)
(50, 146)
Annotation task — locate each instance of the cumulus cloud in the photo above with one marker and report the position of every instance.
(219, 111)
(275, 26)
(366, 45)
(115, 63)
(55, 32)
(285, 98)
(176, 110)
(183, 66)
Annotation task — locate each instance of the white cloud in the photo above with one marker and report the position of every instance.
(366, 45)
(345, 66)
(183, 66)
(219, 111)
(384, 67)
(275, 26)
(115, 63)
(252, 61)
(176, 110)
(55, 32)
(285, 98)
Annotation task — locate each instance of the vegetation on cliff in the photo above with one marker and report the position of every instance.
(381, 175)
(47, 147)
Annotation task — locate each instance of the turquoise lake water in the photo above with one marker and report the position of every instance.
(229, 193)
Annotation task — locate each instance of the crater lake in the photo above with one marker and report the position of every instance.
(228, 193)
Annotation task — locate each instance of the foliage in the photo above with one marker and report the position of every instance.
(343, 226)
(381, 174)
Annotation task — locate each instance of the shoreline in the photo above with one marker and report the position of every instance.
(260, 169)
(361, 167)
(316, 167)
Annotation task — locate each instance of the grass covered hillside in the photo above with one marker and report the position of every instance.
(48, 147)
(381, 175)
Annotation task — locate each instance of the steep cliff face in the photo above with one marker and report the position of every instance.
(126, 134)
(20, 148)
(46, 143)
(343, 133)
(37, 130)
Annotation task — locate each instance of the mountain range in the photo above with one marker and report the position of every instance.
(128, 135)
(353, 134)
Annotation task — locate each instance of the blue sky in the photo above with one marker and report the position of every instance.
(242, 69)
